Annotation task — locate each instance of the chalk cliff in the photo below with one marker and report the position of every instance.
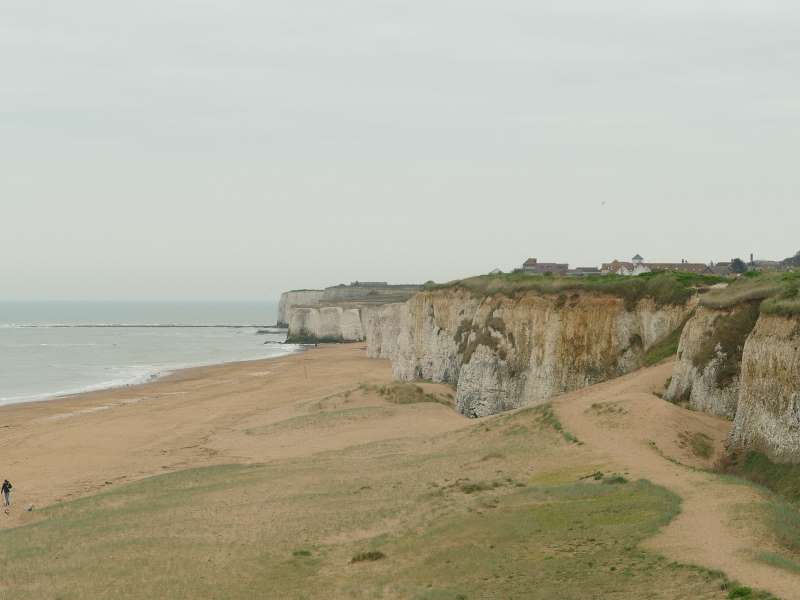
(506, 351)
(326, 324)
(768, 413)
(336, 313)
(386, 329)
(707, 370)
(289, 300)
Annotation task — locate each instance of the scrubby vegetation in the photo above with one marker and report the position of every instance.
(787, 303)
(393, 519)
(407, 393)
(699, 443)
(369, 556)
(783, 514)
(665, 348)
(546, 416)
(780, 291)
(726, 341)
(664, 288)
(781, 562)
(783, 479)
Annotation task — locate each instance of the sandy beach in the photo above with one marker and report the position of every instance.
(310, 461)
(65, 448)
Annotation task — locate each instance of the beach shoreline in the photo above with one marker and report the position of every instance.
(63, 448)
(150, 375)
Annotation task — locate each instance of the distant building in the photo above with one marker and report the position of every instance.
(637, 266)
(720, 268)
(532, 265)
(495, 272)
(583, 271)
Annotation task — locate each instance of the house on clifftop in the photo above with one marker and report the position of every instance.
(637, 266)
(532, 265)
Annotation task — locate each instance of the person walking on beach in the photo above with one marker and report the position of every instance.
(6, 490)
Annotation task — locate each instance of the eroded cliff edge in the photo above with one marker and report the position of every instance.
(768, 413)
(707, 369)
(503, 351)
(739, 358)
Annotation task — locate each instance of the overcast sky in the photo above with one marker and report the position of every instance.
(235, 148)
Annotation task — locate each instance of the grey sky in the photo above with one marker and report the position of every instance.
(235, 148)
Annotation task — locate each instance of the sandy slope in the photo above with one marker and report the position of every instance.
(639, 434)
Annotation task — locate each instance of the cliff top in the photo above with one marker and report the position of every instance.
(779, 293)
(663, 288)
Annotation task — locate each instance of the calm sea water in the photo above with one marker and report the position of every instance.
(55, 348)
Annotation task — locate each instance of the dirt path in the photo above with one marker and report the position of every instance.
(644, 436)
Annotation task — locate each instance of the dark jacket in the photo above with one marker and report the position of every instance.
(6, 486)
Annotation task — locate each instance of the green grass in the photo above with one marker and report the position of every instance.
(782, 513)
(746, 593)
(780, 290)
(663, 288)
(783, 479)
(787, 303)
(781, 562)
(614, 480)
(568, 542)
(291, 529)
(546, 416)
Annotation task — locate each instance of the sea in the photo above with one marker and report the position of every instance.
(56, 348)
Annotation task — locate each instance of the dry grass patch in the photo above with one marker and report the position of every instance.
(698, 443)
(408, 393)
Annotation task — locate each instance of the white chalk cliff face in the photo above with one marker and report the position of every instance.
(768, 412)
(706, 372)
(504, 352)
(336, 313)
(327, 324)
(289, 300)
(386, 329)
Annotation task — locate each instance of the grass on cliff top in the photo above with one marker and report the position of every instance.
(664, 288)
(444, 523)
(779, 291)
